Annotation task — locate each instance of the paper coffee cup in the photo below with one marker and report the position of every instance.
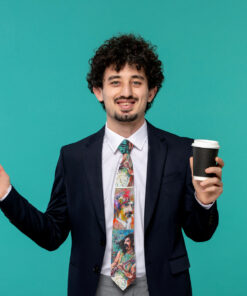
(204, 153)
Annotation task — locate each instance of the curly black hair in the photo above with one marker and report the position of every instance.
(122, 49)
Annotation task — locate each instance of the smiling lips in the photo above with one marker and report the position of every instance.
(126, 105)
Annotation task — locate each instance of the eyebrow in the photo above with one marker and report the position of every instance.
(138, 77)
(113, 77)
(118, 76)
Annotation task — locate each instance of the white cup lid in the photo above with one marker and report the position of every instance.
(206, 144)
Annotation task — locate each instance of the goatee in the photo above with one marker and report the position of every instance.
(125, 118)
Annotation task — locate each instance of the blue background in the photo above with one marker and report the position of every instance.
(45, 103)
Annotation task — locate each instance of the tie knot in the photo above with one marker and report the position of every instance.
(125, 147)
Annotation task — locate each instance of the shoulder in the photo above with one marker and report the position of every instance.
(80, 145)
(170, 138)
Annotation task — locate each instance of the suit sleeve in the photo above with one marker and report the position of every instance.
(49, 229)
(198, 223)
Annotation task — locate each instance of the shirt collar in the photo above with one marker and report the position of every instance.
(138, 139)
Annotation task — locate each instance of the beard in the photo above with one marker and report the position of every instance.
(126, 247)
(126, 117)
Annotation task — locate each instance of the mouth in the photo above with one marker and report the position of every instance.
(126, 105)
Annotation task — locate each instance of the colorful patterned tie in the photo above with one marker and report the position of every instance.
(123, 260)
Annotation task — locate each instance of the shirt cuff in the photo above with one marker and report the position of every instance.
(207, 207)
(9, 189)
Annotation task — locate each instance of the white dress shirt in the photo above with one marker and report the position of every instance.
(111, 158)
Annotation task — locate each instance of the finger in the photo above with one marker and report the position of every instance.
(211, 181)
(220, 161)
(191, 164)
(213, 189)
(203, 188)
(214, 170)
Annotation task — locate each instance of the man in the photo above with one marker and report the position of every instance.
(127, 160)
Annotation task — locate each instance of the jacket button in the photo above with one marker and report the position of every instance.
(102, 242)
(96, 269)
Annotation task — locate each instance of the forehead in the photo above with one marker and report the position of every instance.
(126, 71)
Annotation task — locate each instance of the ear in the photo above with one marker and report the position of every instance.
(151, 93)
(98, 93)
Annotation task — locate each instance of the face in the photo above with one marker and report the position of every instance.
(128, 209)
(125, 94)
(127, 243)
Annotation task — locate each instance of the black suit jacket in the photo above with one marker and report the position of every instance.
(77, 205)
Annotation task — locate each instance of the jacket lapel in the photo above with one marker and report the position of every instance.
(157, 152)
(93, 165)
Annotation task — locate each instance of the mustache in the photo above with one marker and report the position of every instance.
(125, 98)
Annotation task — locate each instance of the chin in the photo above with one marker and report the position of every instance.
(126, 117)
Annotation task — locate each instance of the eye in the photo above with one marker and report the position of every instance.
(137, 83)
(115, 82)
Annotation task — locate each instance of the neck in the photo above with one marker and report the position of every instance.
(125, 129)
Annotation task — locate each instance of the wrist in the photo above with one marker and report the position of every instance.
(5, 192)
(203, 201)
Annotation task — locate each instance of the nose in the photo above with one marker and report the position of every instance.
(126, 90)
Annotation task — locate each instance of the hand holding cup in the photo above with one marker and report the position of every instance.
(206, 168)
